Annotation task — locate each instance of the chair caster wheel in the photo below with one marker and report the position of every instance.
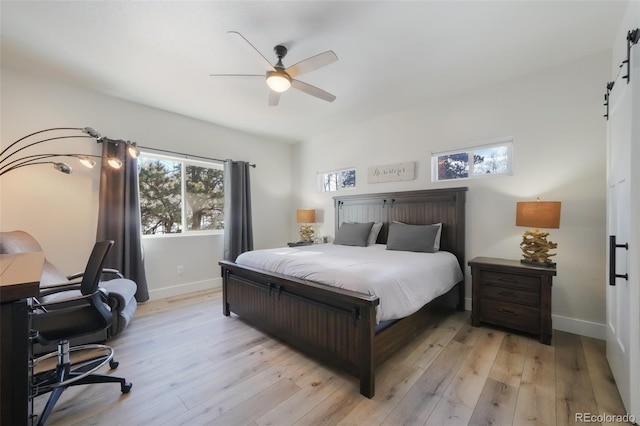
(113, 364)
(126, 387)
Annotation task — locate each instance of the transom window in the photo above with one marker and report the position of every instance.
(493, 158)
(336, 180)
(178, 196)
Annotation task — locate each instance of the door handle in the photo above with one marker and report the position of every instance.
(612, 260)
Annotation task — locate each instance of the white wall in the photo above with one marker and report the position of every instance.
(555, 119)
(61, 210)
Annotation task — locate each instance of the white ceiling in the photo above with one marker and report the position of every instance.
(392, 54)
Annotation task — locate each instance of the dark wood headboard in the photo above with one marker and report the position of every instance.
(422, 207)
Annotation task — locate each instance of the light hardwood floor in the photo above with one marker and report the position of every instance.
(191, 365)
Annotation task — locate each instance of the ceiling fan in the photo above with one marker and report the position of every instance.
(279, 78)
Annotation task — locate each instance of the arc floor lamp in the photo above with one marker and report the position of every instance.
(13, 156)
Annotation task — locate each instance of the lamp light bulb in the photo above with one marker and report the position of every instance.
(134, 152)
(114, 163)
(87, 162)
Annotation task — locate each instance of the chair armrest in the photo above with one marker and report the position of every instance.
(58, 288)
(106, 271)
(75, 276)
(68, 302)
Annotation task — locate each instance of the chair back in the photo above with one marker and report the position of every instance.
(93, 271)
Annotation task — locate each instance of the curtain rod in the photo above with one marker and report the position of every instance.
(182, 154)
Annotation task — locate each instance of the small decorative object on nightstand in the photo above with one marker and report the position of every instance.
(512, 294)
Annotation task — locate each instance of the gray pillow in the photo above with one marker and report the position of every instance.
(353, 234)
(373, 234)
(419, 238)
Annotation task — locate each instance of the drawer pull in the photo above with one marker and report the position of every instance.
(507, 311)
(507, 293)
(507, 280)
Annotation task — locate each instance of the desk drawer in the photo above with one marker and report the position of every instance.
(519, 317)
(524, 282)
(514, 295)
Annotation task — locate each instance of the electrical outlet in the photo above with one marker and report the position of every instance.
(180, 269)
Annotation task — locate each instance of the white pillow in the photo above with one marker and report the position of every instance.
(436, 243)
(373, 235)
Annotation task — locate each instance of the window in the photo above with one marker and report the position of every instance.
(178, 196)
(489, 159)
(337, 179)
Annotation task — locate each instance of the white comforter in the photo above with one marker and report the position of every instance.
(403, 281)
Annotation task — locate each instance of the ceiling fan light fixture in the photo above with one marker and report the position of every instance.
(278, 81)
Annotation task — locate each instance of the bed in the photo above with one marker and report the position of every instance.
(340, 326)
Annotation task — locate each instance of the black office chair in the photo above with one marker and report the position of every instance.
(60, 314)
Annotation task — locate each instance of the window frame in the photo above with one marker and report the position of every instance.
(339, 172)
(184, 162)
(470, 151)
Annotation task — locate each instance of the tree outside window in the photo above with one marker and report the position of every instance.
(166, 182)
(336, 180)
(490, 159)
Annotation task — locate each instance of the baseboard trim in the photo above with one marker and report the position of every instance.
(176, 290)
(581, 327)
(569, 325)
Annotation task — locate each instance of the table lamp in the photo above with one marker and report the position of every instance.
(538, 214)
(306, 218)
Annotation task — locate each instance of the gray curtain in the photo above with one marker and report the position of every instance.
(119, 215)
(238, 230)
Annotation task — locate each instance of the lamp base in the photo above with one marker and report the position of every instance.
(550, 265)
(535, 247)
(306, 233)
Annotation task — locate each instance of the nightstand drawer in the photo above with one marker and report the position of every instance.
(524, 282)
(519, 317)
(531, 298)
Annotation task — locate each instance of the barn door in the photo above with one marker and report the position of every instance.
(623, 195)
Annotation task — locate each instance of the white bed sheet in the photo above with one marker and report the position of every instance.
(403, 281)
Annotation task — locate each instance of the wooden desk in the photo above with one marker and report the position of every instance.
(19, 280)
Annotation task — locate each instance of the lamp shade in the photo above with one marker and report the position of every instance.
(306, 216)
(538, 214)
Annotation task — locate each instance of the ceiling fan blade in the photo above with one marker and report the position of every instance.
(265, 63)
(312, 90)
(274, 98)
(312, 63)
(237, 75)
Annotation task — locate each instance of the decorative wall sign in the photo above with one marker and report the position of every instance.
(391, 172)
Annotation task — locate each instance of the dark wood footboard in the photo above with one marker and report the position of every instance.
(334, 325)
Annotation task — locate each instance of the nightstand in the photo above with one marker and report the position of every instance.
(513, 295)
